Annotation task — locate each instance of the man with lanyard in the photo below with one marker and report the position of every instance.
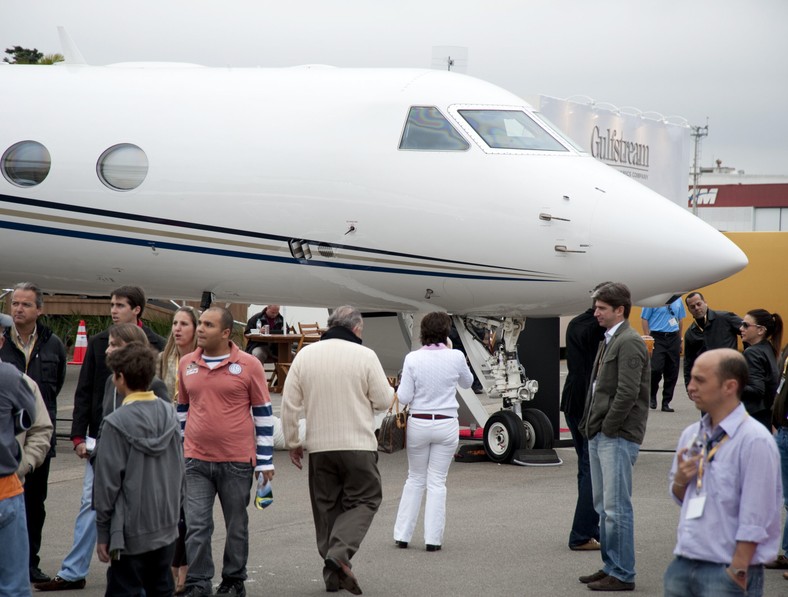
(665, 325)
(726, 477)
(709, 330)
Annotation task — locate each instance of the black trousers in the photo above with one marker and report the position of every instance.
(665, 363)
(127, 576)
(36, 484)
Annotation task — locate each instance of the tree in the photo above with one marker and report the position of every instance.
(23, 55)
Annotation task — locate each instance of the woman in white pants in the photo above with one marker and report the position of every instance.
(430, 376)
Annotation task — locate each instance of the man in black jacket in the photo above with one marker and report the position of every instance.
(270, 317)
(126, 306)
(583, 335)
(710, 330)
(33, 349)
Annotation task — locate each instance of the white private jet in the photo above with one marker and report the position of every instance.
(390, 189)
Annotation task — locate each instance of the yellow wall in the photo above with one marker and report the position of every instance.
(763, 284)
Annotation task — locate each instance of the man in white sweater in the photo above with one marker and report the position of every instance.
(338, 384)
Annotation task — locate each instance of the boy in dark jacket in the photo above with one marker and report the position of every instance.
(139, 483)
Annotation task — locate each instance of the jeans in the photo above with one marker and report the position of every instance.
(77, 562)
(693, 578)
(612, 459)
(431, 446)
(782, 447)
(585, 525)
(14, 580)
(232, 481)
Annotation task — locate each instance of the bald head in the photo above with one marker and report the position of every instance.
(717, 381)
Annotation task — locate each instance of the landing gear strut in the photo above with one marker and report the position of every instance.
(491, 347)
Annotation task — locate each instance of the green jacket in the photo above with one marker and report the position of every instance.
(618, 406)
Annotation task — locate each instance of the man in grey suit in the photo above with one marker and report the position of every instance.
(614, 424)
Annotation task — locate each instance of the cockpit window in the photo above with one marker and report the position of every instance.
(26, 163)
(510, 129)
(428, 130)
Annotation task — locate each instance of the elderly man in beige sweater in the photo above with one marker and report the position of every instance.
(338, 384)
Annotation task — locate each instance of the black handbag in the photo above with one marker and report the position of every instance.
(391, 437)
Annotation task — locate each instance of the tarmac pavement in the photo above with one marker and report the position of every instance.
(506, 533)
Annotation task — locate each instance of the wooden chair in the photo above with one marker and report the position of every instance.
(310, 332)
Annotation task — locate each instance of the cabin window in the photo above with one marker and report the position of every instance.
(428, 130)
(510, 129)
(122, 167)
(26, 163)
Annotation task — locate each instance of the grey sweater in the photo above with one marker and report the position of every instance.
(15, 395)
(140, 481)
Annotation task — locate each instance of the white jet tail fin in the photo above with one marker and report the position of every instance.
(70, 50)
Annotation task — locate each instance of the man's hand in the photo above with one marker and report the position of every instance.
(82, 452)
(742, 582)
(687, 468)
(102, 550)
(267, 475)
(296, 455)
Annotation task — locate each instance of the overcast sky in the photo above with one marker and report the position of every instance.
(726, 60)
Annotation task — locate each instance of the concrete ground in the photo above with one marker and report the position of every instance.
(506, 533)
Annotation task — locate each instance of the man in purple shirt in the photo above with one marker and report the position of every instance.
(726, 477)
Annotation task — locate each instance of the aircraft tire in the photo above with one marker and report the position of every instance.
(538, 430)
(504, 435)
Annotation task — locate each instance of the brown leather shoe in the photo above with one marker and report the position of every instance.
(785, 575)
(781, 563)
(590, 545)
(60, 584)
(611, 583)
(347, 580)
(598, 575)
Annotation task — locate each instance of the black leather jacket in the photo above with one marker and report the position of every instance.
(721, 331)
(47, 367)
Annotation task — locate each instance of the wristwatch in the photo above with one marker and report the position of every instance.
(738, 573)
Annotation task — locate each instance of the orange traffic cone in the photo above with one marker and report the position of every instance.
(81, 345)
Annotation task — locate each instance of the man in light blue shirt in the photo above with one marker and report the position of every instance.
(665, 325)
(726, 477)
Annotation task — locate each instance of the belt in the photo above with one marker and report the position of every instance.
(428, 416)
(664, 333)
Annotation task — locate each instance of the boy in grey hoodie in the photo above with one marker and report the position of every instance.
(139, 484)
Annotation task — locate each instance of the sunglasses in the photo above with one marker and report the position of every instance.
(746, 325)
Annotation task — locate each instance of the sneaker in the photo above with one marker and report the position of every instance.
(38, 576)
(60, 584)
(231, 587)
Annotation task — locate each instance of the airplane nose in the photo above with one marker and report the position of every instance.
(667, 250)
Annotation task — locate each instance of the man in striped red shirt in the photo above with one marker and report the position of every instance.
(225, 411)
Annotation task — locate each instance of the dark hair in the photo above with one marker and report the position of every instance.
(346, 317)
(128, 333)
(136, 362)
(773, 324)
(616, 295)
(33, 288)
(134, 294)
(435, 328)
(226, 318)
(696, 293)
(732, 365)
